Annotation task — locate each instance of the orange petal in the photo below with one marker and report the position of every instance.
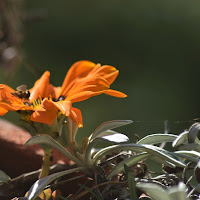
(87, 87)
(14, 106)
(41, 87)
(102, 70)
(3, 111)
(46, 113)
(115, 93)
(10, 102)
(84, 84)
(5, 95)
(77, 70)
(108, 72)
(64, 107)
(111, 76)
(8, 89)
(81, 96)
(76, 116)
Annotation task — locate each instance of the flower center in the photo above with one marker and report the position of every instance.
(36, 103)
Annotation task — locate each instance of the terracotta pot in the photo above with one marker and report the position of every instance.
(16, 159)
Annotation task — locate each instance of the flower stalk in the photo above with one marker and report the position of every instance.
(46, 163)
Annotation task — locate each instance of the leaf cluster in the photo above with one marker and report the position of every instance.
(114, 168)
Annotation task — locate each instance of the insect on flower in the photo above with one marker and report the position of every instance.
(44, 102)
(21, 92)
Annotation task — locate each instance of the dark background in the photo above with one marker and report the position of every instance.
(155, 45)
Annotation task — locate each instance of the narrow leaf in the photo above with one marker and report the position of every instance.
(109, 125)
(47, 140)
(114, 138)
(4, 177)
(141, 148)
(90, 191)
(153, 190)
(157, 138)
(185, 156)
(191, 146)
(40, 184)
(193, 132)
(108, 132)
(131, 182)
(178, 192)
(190, 153)
(181, 138)
(128, 162)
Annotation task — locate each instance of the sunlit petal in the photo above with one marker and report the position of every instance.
(6, 96)
(46, 113)
(89, 82)
(76, 116)
(3, 111)
(102, 70)
(8, 89)
(111, 76)
(84, 95)
(115, 93)
(14, 106)
(77, 70)
(41, 87)
(64, 107)
(108, 72)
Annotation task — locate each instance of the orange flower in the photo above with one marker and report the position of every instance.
(83, 80)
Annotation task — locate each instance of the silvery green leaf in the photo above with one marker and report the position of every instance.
(49, 141)
(114, 138)
(40, 184)
(178, 192)
(4, 177)
(157, 138)
(191, 146)
(153, 190)
(141, 148)
(107, 132)
(181, 138)
(157, 192)
(129, 162)
(193, 132)
(109, 125)
(190, 153)
(186, 156)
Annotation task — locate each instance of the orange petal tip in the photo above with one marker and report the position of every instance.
(115, 93)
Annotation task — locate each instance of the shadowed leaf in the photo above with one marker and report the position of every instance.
(40, 184)
(49, 141)
(131, 182)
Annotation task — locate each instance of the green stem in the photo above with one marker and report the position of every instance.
(46, 163)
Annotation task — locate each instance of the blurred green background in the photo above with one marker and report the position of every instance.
(155, 45)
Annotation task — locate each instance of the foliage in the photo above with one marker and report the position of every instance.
(118, 169)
